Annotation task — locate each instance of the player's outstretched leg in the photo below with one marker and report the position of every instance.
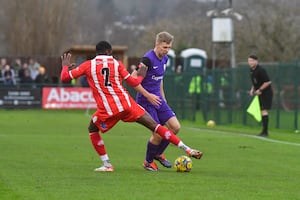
(194, 153)
(170, 136)
(167, 134)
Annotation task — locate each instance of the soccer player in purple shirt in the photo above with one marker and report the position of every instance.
(155, 102)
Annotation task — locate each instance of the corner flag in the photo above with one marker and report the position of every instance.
(254, 109)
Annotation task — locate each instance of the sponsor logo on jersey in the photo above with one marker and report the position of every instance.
(157, 78)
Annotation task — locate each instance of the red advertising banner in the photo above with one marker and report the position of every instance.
(68, 98)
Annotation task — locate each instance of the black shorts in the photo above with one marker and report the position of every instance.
(266, 99)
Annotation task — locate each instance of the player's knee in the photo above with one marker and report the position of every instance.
(93, 128)
(173, 124)
(176, 130)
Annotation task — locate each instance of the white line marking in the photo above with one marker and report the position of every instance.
(245, 135)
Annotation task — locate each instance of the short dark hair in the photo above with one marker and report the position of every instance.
(103, 47)
(253, 57)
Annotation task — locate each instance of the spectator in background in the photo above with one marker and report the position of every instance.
(224, 91)
(34, 68)
(1, 78)
(3, 62)
(179, 79)
(8, 76)
(26, 80)
(42, 77)
(195, 90)
(21, 72)
(178, 69)
(16, 65)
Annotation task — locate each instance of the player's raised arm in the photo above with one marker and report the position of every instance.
(66, 63)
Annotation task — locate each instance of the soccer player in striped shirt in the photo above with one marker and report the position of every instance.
(105, 76)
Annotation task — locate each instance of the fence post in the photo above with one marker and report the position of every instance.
(296, 84)
(279, 82)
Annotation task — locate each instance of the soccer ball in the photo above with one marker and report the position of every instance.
(211, 123)
(183, 164)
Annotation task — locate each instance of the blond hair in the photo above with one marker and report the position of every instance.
(164, 37)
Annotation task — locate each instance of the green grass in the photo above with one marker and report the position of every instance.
(48, 155)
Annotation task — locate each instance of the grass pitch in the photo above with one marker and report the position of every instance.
(48, 155)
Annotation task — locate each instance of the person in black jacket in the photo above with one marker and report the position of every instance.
(42, 77)
(261, 86)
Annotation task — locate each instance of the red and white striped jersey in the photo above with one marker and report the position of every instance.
(105, 76)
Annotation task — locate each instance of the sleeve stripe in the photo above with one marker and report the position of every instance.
(127, 76)
(70, 73)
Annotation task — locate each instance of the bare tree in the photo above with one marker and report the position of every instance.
(47, 27)
(273, 34)
(188, 24)
(38, 27)
(95, 21)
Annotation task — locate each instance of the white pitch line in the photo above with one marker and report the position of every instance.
(246, 135)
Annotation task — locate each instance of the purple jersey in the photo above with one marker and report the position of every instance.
(151, 83)
(154, 76)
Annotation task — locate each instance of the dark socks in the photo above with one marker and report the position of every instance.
(265, 123)
(162, 146)
(151, 151)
